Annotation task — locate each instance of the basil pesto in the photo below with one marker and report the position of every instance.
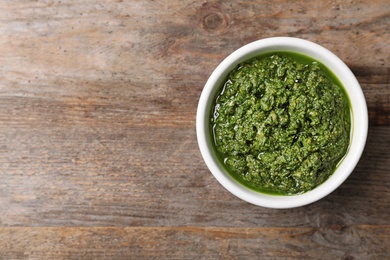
(281, 123)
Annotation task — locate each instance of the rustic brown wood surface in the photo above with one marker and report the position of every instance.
(98, 152)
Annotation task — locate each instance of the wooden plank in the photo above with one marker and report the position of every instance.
(83, 53)
(333, 242)
(108, 176)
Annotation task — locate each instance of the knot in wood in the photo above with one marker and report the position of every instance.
(214, 22)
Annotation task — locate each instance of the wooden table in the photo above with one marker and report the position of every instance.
(98, 152)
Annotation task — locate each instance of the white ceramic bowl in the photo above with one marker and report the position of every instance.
(359, 120)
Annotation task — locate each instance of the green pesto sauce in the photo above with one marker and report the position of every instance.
(281, 123)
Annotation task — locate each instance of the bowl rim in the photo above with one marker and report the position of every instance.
(359, 120)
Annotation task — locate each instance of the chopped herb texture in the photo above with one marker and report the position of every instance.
(281, 123)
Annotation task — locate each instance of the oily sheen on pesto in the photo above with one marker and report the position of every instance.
(281, 123)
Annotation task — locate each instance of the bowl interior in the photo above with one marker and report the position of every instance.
(359, 120)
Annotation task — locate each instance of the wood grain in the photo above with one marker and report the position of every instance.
(119, 186)
(196, 243)
(98, 152)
